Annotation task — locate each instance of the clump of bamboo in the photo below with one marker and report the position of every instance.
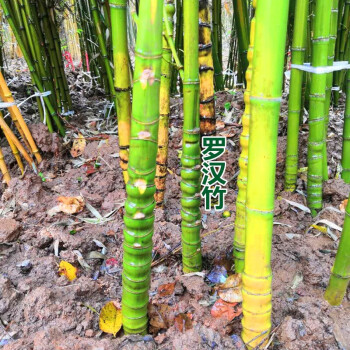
(32, 24)
(265, 99)
(18, 120)
(317, 99)
(164, 105)
(295, 106)
(140, 203)
(340, 275)
(242, 180)
(190, 159)
(206, 72)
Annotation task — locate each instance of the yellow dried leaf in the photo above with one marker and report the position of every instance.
(232, 281)
(78, 146)
(343, 205)
(231, 290)
(67, 270)
(110, 318)
(320, 228)
(70, 205)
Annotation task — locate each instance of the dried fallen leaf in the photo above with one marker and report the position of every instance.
(78, 146)
(110, 318)
(161, 316)
(183, 322)
(232, 281)
(68, 205)
(227, 310)
(220, 125)
(343, 205)
(231, 295)
(166, 289)
(67, 270)
(231, 290)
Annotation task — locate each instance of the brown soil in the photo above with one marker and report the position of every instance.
(41, 310)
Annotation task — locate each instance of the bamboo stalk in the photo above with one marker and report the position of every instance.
(14, 150)
(240, 11)
(345, 160)
(206, 73)
(164, 104)
(140, 203)
(340, 274)
(17, 118)
(242, 180)
(12, 138)
(121, 79)
(316, 141)
(295, 106)
(190, 159)
(265, 99)
(3, 168)
(329, 79)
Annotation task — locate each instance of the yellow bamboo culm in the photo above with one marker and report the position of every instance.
(239, 239)
(10, 135)
(206, 72)
(271, 18)
(3, 168)
(15, 152)
(18, 120)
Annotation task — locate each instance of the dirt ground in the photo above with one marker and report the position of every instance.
(41, 310)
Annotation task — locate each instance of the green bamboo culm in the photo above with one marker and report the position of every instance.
(103, 49)
(140, 203)
(343, 32)
(340, 275)
(190, 159)
(265, 101)
(121, 79)
(329, 79)
(217, 44)
(316, 141)
(295, 106)
(242, 180)
(240, 12)
(345, 160)
(164, 108)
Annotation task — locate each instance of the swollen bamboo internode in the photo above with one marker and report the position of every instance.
(265, 100)
(140, 203)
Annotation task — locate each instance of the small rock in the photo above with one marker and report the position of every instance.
(25, 266)
(9, 230)
(89, 333)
